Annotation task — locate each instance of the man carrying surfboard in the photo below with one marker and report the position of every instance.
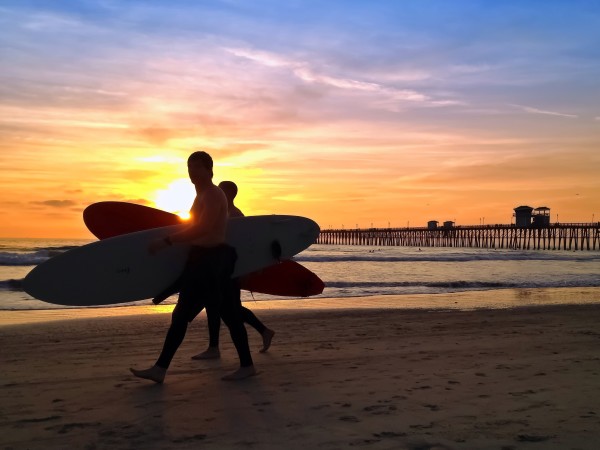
(214, 321)
(207, 275)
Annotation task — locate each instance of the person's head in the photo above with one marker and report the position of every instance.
(230, 189)
(200, 167)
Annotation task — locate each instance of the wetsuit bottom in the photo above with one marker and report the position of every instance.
(214, 320)
(206, 281)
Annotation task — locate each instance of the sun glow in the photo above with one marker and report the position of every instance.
(176, 198)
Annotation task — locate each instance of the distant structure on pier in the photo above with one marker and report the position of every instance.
(526, 216)
(433, 224)
(523, 216)
(541, 217)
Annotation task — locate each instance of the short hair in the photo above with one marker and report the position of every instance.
(229, 187)
(201, 157)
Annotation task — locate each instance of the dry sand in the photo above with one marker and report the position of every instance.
(334, 378)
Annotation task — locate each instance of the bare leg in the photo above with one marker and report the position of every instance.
(214, 326)
(267, 336)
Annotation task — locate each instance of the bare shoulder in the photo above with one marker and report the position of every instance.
(215, 194)
(235, 212)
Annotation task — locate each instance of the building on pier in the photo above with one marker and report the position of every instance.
(523, 216)
(541, 217)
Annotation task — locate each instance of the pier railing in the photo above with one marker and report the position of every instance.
(564, 236)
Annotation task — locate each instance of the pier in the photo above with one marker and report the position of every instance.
(564, 236)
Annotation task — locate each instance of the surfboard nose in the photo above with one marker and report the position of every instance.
(294, 234)
(311, 230)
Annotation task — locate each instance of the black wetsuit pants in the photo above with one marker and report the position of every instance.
(214, 320)
(206, 281)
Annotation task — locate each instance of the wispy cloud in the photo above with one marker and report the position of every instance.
(306, 72)
(47, 21)
(65, 122)
(542, 111)
(471, 68)
(56, 203)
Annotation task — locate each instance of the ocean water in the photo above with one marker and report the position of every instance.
(350, 271)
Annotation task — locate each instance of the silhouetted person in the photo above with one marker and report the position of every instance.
(214, 320)
(206, 279)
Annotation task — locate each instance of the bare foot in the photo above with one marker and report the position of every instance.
(209, 353)
(267, 338)
(154, 373)
(240, 374)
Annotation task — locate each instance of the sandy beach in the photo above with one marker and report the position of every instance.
(360, 373)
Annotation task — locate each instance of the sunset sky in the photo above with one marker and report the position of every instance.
(354, 113)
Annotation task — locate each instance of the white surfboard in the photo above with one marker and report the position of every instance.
(120, 269)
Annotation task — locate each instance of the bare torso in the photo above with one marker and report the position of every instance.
(209, 214)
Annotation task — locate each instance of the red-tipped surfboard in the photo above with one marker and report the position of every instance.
(110, 219)
(286, 279)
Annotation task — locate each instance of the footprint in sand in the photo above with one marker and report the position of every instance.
(67, 427)
(196, 437)
(422, 426)
(352, 419)
(389, 434)
(380, 409)
(40, 419)
(432, 407)
(532, 438)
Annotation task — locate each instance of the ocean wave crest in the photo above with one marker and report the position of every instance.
(11, 285)
(33, 258)
(456, 257)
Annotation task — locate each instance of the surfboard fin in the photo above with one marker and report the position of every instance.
(276, 250)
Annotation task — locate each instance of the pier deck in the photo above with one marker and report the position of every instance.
(553, 237)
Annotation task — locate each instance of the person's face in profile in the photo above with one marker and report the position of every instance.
(198, 173)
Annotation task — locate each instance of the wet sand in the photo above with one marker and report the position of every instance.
(336, 377)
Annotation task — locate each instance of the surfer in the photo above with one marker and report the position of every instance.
(214, 320)
(207, 276)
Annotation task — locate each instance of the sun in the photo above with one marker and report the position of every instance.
(176, 198)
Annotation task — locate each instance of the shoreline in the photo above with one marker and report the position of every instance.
(376, 378)
(462, 301)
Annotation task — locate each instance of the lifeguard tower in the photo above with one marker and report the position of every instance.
(541, 217)
(523, 216)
